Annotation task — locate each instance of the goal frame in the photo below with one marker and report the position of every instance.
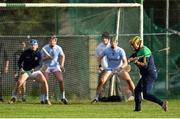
(84, 5)
(87, 5)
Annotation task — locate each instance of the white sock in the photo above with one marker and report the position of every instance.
(14, 94)
(62, 95)
(46, 97)
(42, 97)
(97, 96)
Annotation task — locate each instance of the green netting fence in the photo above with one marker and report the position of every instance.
(79, 31)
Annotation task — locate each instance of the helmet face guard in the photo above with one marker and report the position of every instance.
(136, 40)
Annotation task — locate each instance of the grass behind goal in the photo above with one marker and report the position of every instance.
(87, 110)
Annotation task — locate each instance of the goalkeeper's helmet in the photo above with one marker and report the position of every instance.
(135, 40)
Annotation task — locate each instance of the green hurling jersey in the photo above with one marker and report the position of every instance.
(144, 51)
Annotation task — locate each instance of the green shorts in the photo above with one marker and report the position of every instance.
(29, 72)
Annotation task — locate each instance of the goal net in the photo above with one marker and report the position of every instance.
(78, 28)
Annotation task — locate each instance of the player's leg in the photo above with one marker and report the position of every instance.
(125, 76)
(104, 76)
(22, 78)
(23, 91)
(46, 75)
(38, 75)
(147, 86)
(59, 76)
(16, 77)
(138, 98)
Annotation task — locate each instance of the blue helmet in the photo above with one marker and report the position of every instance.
(34, 42)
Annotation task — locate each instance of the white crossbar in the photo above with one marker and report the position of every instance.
(103, 5)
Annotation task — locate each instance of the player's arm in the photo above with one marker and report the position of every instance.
(6, 67)
(125, 62)
(61, 58)
(132, 57)
(99, 59)
(62, 61)
(97, 54)
(142, 62)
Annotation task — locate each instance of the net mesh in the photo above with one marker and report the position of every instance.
(79, 31)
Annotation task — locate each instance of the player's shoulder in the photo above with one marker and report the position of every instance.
(100, 45)
(146, 49)
(27, 50)
(57, 47)
(120, 49)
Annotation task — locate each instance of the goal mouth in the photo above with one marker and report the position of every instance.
(78, 28)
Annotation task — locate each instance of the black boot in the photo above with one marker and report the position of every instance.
(137, 107)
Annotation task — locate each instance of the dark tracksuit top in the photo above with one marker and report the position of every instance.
(29, 59)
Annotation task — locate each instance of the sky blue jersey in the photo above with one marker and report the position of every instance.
(55, 52)
(114, 57)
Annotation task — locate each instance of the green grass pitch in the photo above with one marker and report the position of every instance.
(86, 110)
